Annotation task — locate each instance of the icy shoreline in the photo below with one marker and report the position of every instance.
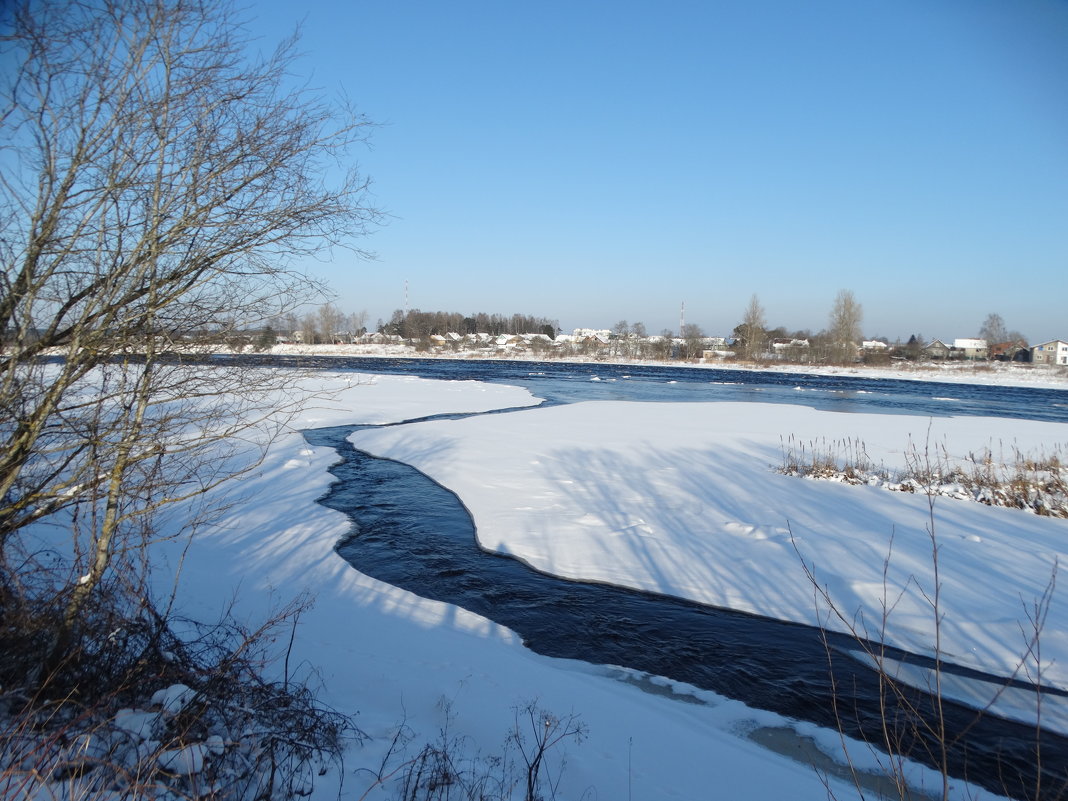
(985, 373)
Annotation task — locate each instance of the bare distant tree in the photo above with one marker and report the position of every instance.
(663, 345)
(844, 326)
(330, 322)
(157, 183)
(357, 322)
(289, 323)
(620, 343)
(310, 333)
(640, 345)
(692, 340)
(752, 330)
(993, 330)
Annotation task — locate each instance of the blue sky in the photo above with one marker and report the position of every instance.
(595, 161)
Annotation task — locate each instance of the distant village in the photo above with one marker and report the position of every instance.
(614, 344)
(523, 336)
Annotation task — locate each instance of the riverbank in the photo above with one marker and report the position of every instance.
(981, 373)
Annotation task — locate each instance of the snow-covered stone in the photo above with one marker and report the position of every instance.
(173, 699)
(185, 761)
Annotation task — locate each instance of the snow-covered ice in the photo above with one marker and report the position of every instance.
(684, 499)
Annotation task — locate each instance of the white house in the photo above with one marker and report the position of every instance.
(970, 348)
(783, 345)
(1053, 352)
(591, 333)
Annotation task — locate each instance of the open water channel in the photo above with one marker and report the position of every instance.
(412, 533)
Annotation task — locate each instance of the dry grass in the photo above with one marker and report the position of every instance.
(844, 460)
(136, 712)
(528, 766)
(1007, 476)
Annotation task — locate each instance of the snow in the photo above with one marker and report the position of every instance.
(173, 699)
(1003, 374)
(135, 722)
(682, 499)
(185, 761)
(676, 498)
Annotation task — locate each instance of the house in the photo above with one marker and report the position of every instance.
(788, 348)
(936, 349)
(709, 354)
(538, 340)
(970, 349)
(1052, 352)
(590, 341)
(715, 348)
(591, 333)
(1015, 351)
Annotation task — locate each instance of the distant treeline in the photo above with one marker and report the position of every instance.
(417, 324)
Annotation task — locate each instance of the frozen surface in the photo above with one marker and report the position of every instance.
(684, 499)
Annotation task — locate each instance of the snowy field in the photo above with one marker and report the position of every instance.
(675, 498)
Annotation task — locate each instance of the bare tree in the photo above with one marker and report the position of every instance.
(157, 184)
(310, 333)
(288, 323)
(752, 330)
(620, 343)
(330, 322)
(535, 734)
(356, 323)
(662, 345)
(692, 341)
(993, 330)
(844, 326)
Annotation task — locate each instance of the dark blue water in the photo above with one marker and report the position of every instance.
(567, 382)
(412, 533)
